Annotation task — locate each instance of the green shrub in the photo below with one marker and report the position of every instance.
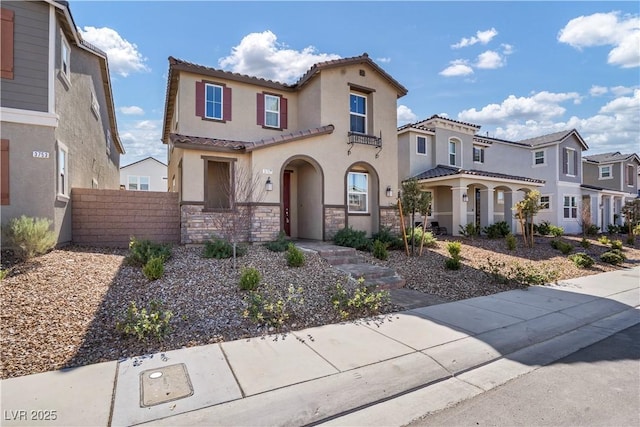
(613, 257)
(511, 241)
(295, 257)
(543, 228)
(452, 263)
(352, 238)
(361, 302)
(585, 243)
(218, 248)
(616, 244)
(393, 241)
(280, 244)
(556, 231)
(613, 229)
(497, 230)
(631, 240)
(29, 237)
(3, 273)
(469, 230)
(562, 246)
(592, 230)
(141, 251)
(604, 240)
(582, 260)
(380, 250)
(144, 323)
(268, 307)
(454, 249)
(419, 235)
(516, 273)
(249, 279)
(154, 268)
(636, 230)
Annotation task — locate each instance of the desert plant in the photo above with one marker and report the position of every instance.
(582, 260)
(525, 210)
(585, 243)
(268, 307)
(592, 230)
(613, 257)
(613, 229)
(393, 241)
(249, 279)
(280, 244)
(543, 228)
(380, 250)
(604, 240)
(452, 263)
(217, 248)
(511, 241)
(144, 323)
(351, 238)
(29, 236)
(295, 257)
(141, 251)
(631, 240)
(414, 200)
(454, 249)
(616, 244)
(497, 230)
(361, 302)
(469, 230)
(3, 273)
(154, 268)
(516, 273)
(556, 231)
(562, 246)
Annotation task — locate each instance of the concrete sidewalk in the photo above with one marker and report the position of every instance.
(410, 362)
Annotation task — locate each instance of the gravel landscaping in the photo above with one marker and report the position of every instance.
(60, 309)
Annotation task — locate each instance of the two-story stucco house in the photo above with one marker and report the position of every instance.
(323, 150)
(148, 174)
(611, 179)
(57, 114)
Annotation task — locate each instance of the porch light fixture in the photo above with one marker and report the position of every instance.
(389, 191)
(269, 184)
(465, 198)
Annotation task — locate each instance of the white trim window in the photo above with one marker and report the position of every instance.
(572, 169)
(358, 192)
(138, 183)
(478, 154)
(62, 171)
(545, 203)
(570, 206)
(108, 142)
(604, 172)
(358, 113)
(272, 111)
(539, 158)
(421, 145)
(500, 197)
(213, 101)
(452, 153)
(631, 171)
(95, 106)
(65, 58)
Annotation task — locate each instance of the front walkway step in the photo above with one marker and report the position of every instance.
(366, 271)
(410, 298)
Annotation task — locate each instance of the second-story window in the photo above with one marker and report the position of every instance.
(570, 162)
(630, 174)
(538, 158)
(421, 147)
(65, 58)
(272, 111)
(605, 172)
(358, 113)
(452, 153)
(478, 155)
(213, 101)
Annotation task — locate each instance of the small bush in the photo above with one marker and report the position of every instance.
(419, 235)
(613, 257)
(295, 257)
(562, 246)
(280, 244)
(380, 250)
(592, 230)
(469, 230)
(631, 240)
(3, 273)
(613, 229)
(511, 241)
(249, 279)
(361, 302)
(141, 251)
(604, 240)
(497, 230)
(454, 249)
(28, 236)
(516, 273)
(582, 260)
(393, 241)
(452, 263)
(218, 249)
(616, 244)
(154, 268)
(585, 243)
(270, 308)
(636, 230)
(144, 323)
(556, 231)
(543, 228)
(352, 238)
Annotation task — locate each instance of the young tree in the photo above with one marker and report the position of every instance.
(525, 210)
(631, 212)
(414, 200)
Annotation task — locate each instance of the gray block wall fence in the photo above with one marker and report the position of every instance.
(108, 218)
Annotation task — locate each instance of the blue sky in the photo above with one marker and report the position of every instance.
(518, 69)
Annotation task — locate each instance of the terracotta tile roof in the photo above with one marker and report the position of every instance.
(227, 145)
(609, 157)
(442, 170)
(416, 125)
(435, 116)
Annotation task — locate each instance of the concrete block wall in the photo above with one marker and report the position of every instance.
(109, 218)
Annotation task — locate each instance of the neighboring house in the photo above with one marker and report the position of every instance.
(144, 175)
(611, 179)
(322, 152)
(57, 114)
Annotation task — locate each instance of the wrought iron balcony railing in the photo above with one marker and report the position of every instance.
(360, 138)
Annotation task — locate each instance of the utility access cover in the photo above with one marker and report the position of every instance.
(165, 384)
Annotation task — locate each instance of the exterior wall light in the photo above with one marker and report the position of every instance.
(269, 184)
(465, 198)
(389, 191)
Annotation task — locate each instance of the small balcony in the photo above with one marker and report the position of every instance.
(360, 138)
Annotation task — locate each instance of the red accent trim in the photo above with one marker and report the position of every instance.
(6, 35)
(260, 109)
(226, 104)
(200, 99)
(283, 113)
(4, 172)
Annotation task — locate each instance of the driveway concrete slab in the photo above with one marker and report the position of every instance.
(408, 407)
(595, 310)
(351, 345)
(417, 332)
(509, 308)
(209, 374)
(458, 356)
(265, 363)
(545, 297)
(70, 397)
(313, 401)
(496, 373)
(466, 317)
(603, 284)
(630, 297)
(618, 322)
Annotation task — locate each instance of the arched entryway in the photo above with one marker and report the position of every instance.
(302, 198)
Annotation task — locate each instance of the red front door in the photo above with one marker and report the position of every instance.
(286, 202)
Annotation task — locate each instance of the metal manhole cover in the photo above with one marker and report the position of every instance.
(164, 385)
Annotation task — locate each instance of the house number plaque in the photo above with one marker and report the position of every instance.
(41, 154)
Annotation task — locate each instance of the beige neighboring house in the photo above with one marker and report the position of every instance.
(323, 151)
(144, 175)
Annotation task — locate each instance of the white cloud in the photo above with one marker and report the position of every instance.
(259, 54)
(458, 67)
(132, 110)
(622, 90)
(482, 37)
(490, 60)
(385, 60)
(405, 115)
(142, 139)
(124, 57)
(507, 49)
(606, 29)
(623, 104)
(598, 90)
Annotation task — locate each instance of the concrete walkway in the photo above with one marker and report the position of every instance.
(355, 373)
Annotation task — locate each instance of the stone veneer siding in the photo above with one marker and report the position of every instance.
(111, 217)
(390, 218)
(198, 225)
(334, 220)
